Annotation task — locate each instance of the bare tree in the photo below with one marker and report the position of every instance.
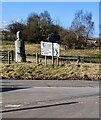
(82, 25)
(76, 26)
(88, 25)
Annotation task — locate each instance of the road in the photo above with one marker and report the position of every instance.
(50, 99)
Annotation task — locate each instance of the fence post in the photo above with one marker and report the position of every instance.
(8, 57)
(36, 58)
(83, 59)
(78, 59)
(12, 55)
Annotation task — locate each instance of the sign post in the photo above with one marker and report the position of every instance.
(45, 60)
(58, 61)
(52, 55)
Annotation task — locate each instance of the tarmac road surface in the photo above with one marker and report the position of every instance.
(50, 99)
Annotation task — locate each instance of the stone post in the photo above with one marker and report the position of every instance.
(19, 49)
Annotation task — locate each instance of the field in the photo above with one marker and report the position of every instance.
(35, 48)
(65, 71)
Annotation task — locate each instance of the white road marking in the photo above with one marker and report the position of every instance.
(82, 102)
(10, 105)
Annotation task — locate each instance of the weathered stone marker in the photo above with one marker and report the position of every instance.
(20, 55)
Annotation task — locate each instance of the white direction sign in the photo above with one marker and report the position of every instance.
(56, 48)
(46, 49)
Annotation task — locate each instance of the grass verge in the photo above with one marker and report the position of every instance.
(70, 71)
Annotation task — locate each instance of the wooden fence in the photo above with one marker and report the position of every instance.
(7, 56)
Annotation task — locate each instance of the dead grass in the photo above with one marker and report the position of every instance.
(35, 48)
(85, 52)
(71, 71)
